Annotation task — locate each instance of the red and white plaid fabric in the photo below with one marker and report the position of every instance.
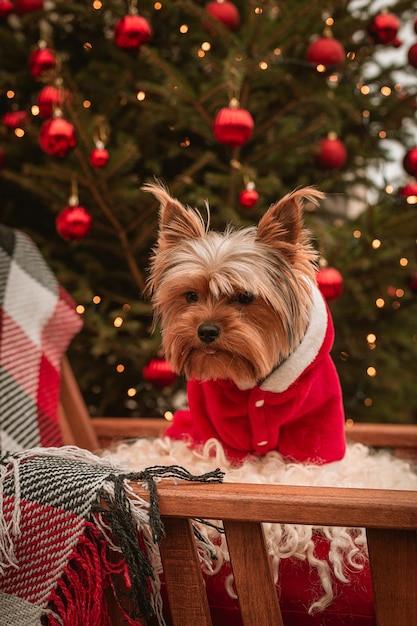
(38, 320)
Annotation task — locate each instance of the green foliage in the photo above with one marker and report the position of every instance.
(156, 107)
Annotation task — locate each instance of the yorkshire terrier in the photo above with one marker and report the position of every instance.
(243, 319)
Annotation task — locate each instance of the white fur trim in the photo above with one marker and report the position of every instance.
(307, 351)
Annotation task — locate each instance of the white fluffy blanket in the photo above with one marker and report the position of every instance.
(361, 467)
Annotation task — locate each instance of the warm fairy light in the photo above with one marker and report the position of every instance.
(206, 46)
(365, 90)
(80, 309)
(371, 371)
(385, 90)
(411, 199)
(357, 234)
(184, 29)
(382, 134)
(19, 132)
(201, 54)
(368, 402)
(403, 262)
(157, 6)
(169, 416)
(351, 55)
(277, 52)
(399, 293)
(376, 244)
(34, 110)
(141, 95)
(88, 46)
(86, 104)
(10, 94)
(366, 114)
(263, 65)
(185, 143)
(120, 368)
(380, 303)
(333, 79)
(320, 68)
(96, 299)
(117, 322)
(97, 5)
(349, 422)
(371, 338)
(131, 392)
(329, 21)
(258, 10)
(389, 189)
(126, 307)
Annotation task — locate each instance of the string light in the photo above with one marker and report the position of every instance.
(169, 416)
(141, 95)
(368, 402)
(131, 392)
(357, 234)
(403, 262)
(120, 368)
(380, 303)
(376, 244)
(157, 6)
(184, 29)
(371, 371)
(96, 299)
(80, 308)
(117, 322)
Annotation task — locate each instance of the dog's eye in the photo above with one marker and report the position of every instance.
(191, 296)
(244, 298)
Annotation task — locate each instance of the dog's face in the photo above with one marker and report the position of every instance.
(235, 304)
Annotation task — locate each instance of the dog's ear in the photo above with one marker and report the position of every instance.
(282, 225)
(176, 222)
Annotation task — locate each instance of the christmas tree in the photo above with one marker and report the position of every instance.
(233, 103)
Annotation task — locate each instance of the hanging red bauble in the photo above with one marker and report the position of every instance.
(330, 282)
(409, 190)
(331, 153)
(410, 162)
(326, 51)
(57, 137)
(74, 223)
(159, 372)
(41, 60)
(99, 156)
(131, 32)
(412, 55)
(225, 12)
(28, 6)
(15, 119)
(6, 7)
(232, 125)
(51, 98)
(384, 28)
(249, 196)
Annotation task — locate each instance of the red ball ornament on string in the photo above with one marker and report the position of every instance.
(331, 153)
(74, 223)
(57, 137)
(330, 282)
(159, 372)
(225, 12)
(131, 32)
(99, 156)
(410, 162)
(409, 191)
(51, 98)
(249, 196)
(326, 51)
(412, 55)
(15, 119)
(384, 28)
(41, 60)
(232, 125)
(6, 7)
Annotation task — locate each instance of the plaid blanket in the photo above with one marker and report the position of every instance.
(69, 527)
(38, 320)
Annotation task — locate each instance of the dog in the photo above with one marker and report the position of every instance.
(242, 318)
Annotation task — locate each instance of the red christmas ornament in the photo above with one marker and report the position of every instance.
(74, 223)
(408, 191)
(28, 6)
(41, 60)
(131, 32)
(51, 98)
(410, 162)
(330, 282)
(159, 372)
(233, 126)
(225, 12)
(412, 55)
(99, 157)
(384, 28)
(326, 51)
(6, 7)
(331, 154)
(249, 196)
(57, 137)
(15, 119)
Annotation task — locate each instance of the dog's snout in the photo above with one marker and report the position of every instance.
(208, 333)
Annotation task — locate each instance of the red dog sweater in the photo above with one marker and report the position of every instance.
(297, 410)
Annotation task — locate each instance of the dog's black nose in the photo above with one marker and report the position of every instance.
(208, 332)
